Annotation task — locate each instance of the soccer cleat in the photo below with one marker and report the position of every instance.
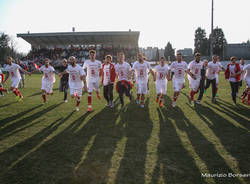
(77, 109)
(216, 95)
(192, 103)
(17, 98)
(198, 102)
(65, 101)
(107, 105)
(205, 91)
(111, 105)
(174, 104)
(89, 108)
(161, 104)
(142, 105)
(137, 101)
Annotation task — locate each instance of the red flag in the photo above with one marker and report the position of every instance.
(35, 65)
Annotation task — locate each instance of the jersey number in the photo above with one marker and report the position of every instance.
(196, 71)
(93, 72)
(141, 72)
(161, 75)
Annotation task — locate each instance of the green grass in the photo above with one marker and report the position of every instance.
(52, 144)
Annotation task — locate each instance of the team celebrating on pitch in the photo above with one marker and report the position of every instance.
(200, 75)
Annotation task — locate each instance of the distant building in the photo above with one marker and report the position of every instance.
(150, 52)
(239, 50)
(186, 52)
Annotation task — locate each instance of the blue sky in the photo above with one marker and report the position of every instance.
(158, 21)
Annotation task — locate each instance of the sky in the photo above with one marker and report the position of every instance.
(159, 21)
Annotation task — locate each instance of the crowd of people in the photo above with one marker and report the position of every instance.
(75, 77)
(81, 54)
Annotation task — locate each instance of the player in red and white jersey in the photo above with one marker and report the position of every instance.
(123, 72)
(161, 76)
(178, 69)
(246, 92)
(2, 89)
(194, 68)
(141, 69)
(217, 74)
(48, 79)
(77, 80)
(242, 64)
(93, 67)
(13, 70)
(212, 69)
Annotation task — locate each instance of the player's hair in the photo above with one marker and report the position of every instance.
(9, 58)
(72, 57)
(232, 58)
(178, 54)
(92, 51)
(121, 52)
(47, 59)
(162, 57)
(108, 56)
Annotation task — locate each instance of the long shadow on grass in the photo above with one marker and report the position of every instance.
(81, 153)
(17, 116)
(239, 109)
(26, 120)
(174, 162)
(5, 105)
(138, 130)
(235, 139)
(231, 113)
(11, 157)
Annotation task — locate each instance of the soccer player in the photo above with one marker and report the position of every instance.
(77, 80)
(108, 79)
(161, 76)
(217, 75)
(242, 64)
(48, 79)
(93, 67)
(212, 68)
(233, 73)
(23, 66)
(246, 92)
(64, 81)
(123, 71)
(141, 69)
(13, 70)
(178, 69)
(194, 68)
(202, 82)
(2, 89)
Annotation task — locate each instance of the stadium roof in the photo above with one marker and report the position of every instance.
(64, 39)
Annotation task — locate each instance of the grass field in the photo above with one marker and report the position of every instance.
(52, 144)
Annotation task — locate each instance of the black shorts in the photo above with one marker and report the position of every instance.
(64, 85)
(240, 83)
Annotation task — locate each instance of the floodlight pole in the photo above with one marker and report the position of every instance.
(212, 30)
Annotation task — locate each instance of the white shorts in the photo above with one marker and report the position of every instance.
(93, 86)
(1, 79)
(77, 91)
(248, 82)
(141, 87)
(194, 84)
(161, 87)
(47, 86)
(217, 79)
(178, 84)
(15, 82)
